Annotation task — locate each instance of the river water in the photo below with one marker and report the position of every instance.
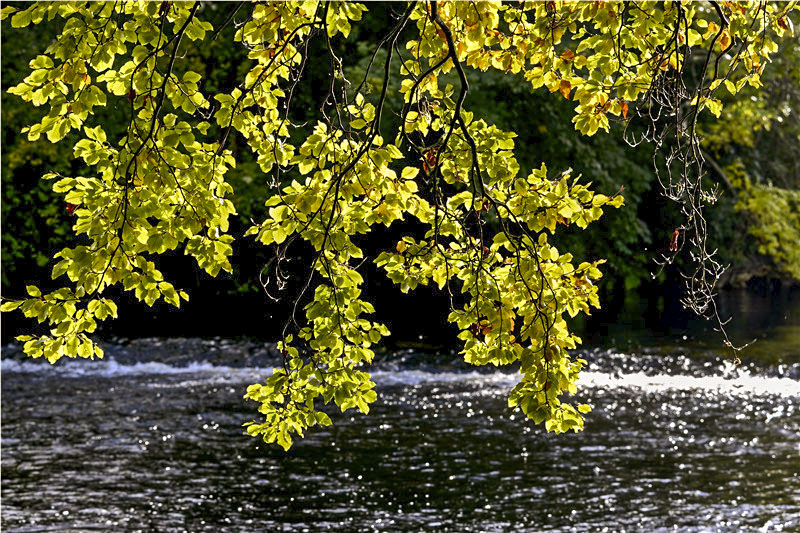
(150, 438)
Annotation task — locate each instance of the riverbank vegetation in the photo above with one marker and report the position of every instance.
(303, 149)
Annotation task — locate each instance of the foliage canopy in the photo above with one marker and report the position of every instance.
(474, 224)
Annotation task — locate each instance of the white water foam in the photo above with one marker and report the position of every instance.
(730, 381)
(422, 377)
(741, 384)
(111, 368)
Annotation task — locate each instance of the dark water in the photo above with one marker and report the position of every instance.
(678, 441)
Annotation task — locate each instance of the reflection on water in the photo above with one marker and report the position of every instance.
(770, 318)
(678, 440)
(140, 449)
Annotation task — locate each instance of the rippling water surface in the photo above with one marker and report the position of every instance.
(677, 441)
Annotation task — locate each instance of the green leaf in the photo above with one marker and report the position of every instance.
(9, 306)
(33, 291)
(6, 11)
(19, 20)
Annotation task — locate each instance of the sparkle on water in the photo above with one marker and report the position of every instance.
(678, 440)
